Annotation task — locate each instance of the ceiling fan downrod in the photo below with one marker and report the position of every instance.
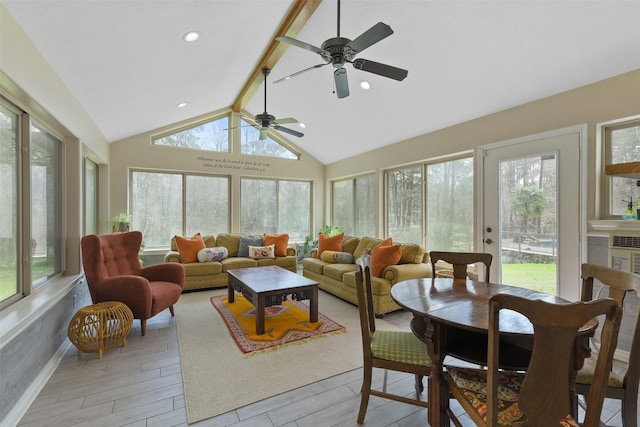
(338, 18)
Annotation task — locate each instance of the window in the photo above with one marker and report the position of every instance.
(354, 205)
(166, 204)
(9, 210)
(622, 145)
(32, 188)
(90, 191)
(46, 204)
(434, 200)
(449, 206)
(404, 205)
(275, 206)
(251, 144)
(211, 136)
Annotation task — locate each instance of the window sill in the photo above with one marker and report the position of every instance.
(18, 316)
(614, 225)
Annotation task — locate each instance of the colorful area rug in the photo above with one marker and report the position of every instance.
(219, 378)
(284, 324)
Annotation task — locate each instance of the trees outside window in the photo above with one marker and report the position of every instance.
(432, 205)
(251, 144)
(212, 135)
(622, 145)
(275, 206)
(166, 204)
(31, 223)
(404, 192)
(354, 205)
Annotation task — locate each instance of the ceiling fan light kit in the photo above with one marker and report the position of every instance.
(340, 50)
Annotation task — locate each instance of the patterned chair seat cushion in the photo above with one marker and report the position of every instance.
(398, 346)
(473, 385)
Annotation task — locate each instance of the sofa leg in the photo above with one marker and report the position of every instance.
(379, 316)
(143, 326)
(171, 311)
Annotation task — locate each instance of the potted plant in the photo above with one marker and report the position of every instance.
(121, 223)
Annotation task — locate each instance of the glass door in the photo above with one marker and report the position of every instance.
(532, 212)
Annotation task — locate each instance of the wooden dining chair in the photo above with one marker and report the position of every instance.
(617, 284)
(390, 350)
(460, 262)
(539, 396)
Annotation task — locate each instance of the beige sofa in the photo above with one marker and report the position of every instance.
(339, 279)
(213, 274)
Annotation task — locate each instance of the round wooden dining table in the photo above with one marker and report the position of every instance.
(451, 316)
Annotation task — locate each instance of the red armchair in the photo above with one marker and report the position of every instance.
(113, 271)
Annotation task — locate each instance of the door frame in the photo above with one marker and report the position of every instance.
(570, 293)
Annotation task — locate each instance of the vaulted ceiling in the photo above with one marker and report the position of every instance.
(126, 63)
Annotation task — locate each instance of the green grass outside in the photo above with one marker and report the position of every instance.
(540, 277)
(8, 276)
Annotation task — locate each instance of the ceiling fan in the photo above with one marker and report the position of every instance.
(266, 120)
(338, 50)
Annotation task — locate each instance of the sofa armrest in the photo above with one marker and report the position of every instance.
(313, 253)
(291, 251)
(400, 272)
(173, 256)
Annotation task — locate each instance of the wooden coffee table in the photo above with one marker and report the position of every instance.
(270, 285)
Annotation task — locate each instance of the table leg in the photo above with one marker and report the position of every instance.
(438, 393)
(230, 290)
(260, 315)
(313, 309)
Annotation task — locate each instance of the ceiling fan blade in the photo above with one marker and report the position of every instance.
(302, 45)
(342, 83)
(380, 69)
(372, 36)
(283, 121)
(300, 72)
(289, 131)
(264, 132)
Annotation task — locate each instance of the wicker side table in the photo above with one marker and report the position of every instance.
(99, 327)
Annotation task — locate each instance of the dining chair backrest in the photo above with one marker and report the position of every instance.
(545, 389)
(619, 284)
(400, 351)
(460, 261)
(365, 307)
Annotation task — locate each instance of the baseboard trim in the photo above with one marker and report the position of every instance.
(31, 393)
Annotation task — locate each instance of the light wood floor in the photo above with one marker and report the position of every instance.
(141, 385)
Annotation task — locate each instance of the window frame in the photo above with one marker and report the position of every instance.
(354, 226)
(195, 124)
(604, 131)
(25, 285)
(271, 135)
(423, 165)
(278, 222)
(183, 208)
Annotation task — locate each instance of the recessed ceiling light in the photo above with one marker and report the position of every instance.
(182, 104)
(191, 36)
(302, 125)
(365, 85)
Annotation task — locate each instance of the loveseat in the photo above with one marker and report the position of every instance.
(335, 270)
(212, 273)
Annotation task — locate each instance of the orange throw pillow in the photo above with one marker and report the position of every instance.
(385, 242)
(329, 243)
(189, 247)
(280, 240)
(383, 256)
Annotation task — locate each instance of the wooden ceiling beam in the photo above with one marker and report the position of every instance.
(293, 22)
